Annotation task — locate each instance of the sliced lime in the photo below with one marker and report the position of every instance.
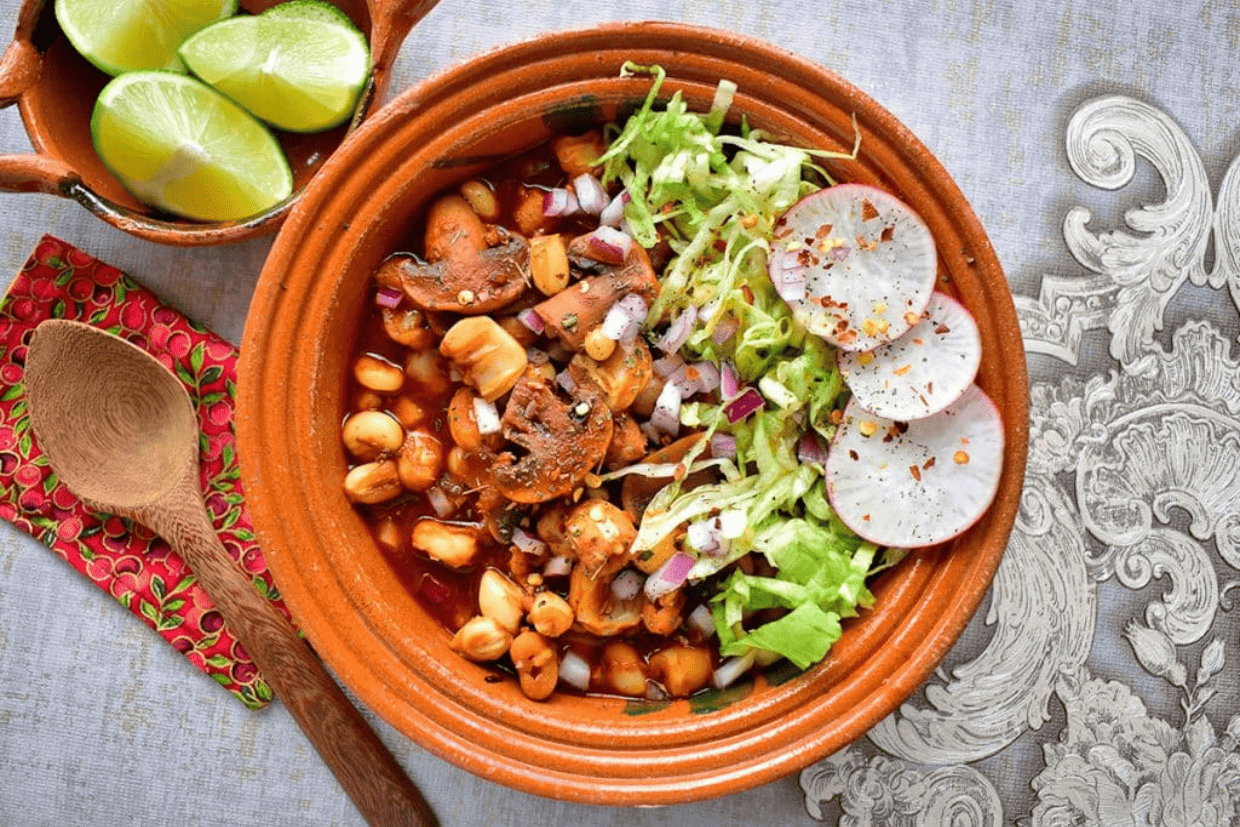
(311, 10)
(179, 145)
(123, 35)
(296, 73)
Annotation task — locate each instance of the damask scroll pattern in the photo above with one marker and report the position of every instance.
(1133, 479)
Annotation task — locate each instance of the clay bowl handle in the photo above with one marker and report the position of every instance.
(391, 21)
(19, 71)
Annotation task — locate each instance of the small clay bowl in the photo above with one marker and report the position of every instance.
(364, 205)
(55, 89)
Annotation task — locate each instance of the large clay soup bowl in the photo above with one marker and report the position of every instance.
(365, 204)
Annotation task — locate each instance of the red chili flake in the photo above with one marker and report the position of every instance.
(888, 233)
(868, 210)
(915, 471)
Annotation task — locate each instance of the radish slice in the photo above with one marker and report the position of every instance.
(923, 371)
(919, 483)
(855, 265)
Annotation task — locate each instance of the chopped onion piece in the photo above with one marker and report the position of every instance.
(627, 585)
(565, 381)
(729, 670)
(559, 201)
(811, 448)
(670, 576)
(486, 415)
(703, 536)
(624, 319)
(722, 445)
(707, 376)
(665, 418)
(608, 245)
(558, 566)
(591, 196)
(440, 501)
(729, 382)
(574, 671)
(701, 620)
(743, 405)
(665, 366)
(527, 543)
(725, 329)
(613, 214)
(678, 331)
(389, 297)
(530, 318)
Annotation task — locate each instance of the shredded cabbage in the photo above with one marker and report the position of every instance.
(714, 198)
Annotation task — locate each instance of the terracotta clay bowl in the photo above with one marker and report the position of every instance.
(365, 204)
(55, 89)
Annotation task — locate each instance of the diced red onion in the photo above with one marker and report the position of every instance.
(440, 501)
(566, 382)
(665, 366)
(527, 543)
(678, 331)
(665, 418)
(559, 201)
(670, 576)
(725, 329)
(389, 297)
(811, 448)
(591, 196)
(627, 585)
(486, 415)
(707, 376)
(729, 382)
(695, 377)
(722, 445)
(702, 620)
(558, 566)
(684, 380)
(743, 405)
(608, 245)
(703, 536)
(731, 669)
(613, 214)
(624, 319)
(574, 671)
(530, 318)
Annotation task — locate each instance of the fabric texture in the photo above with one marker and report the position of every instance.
(121, 557)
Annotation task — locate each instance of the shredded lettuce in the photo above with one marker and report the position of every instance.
(713, 197)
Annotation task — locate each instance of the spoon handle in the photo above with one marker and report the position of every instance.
(367, 771)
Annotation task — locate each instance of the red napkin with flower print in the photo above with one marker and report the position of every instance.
(121, 557)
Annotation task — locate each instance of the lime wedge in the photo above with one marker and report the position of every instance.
(179, 145)
(293, 71)
(124, 35)
(311, 10)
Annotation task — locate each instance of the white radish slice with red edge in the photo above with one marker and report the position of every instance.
(855, 264)
(923, 371)
(916, 483)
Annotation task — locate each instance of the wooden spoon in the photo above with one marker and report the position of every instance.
(120, 431)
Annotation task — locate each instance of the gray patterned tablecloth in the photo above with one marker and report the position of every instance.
(1096, 686)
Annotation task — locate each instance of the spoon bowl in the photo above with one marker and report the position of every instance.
(120, 431)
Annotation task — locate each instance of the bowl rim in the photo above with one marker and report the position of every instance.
(627, 760)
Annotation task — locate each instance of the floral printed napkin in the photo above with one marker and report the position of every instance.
(123, 558)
